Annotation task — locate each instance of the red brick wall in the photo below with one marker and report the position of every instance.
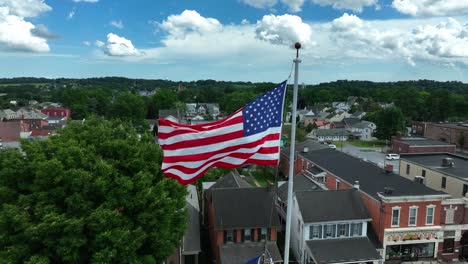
(399, 147)
(57, 112)
(10, 131)
(448, 134)
(273, 234)
(404, 213)
(460, 214)
(418, 127)
(298, 164)
(330, 182)
(373, 206)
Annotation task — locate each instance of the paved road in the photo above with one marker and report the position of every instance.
(373, 155)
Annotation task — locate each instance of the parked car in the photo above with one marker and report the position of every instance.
(392, 157)
(332, 146)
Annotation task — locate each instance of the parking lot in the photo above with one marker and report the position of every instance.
(374, 155)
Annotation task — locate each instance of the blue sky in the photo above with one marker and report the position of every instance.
(245, 40)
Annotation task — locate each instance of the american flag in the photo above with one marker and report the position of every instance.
(251, 135)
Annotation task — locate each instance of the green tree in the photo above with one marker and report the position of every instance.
(164, 99)
(389, 122)
(129, 107)
(92, 194)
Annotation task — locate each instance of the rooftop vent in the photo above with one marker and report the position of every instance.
(447, 162)
(305, 150)
(388, 190)
(356, 185)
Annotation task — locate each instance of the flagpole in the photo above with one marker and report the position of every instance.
(291, 155)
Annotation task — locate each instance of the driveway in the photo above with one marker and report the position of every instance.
(374, 155)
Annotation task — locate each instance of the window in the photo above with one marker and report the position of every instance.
(449, 215)
(343, 230)
(430, 215)
(337, 184)
(315, 232)
(413, 215)
(449, 244)
(444, 182)
(229, 235)
(247, 235)
(396, 216)
(407, 169)
(423, 173)
(264, 234)
(330, 231)
(356, 229)
(465, 189)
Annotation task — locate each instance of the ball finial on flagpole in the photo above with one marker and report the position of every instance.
(297, 46)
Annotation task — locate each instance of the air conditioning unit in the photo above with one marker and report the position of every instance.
(420, 179)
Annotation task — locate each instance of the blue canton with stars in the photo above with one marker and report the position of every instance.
(265, 111)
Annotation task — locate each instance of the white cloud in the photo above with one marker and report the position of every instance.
(443, 42)
(25, 8)
(355, 5)
(117, 24)
(87, 1)
(16, 33)
(260, 3)
(99, 43)
(189, 21)
(43, 32)
(120, 46)
(86, 43)
(431, 7)
(294, 5)
(285, 29)
(71, 14)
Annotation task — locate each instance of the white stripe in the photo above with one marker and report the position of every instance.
(202, 134)
(220, 145)
(170, 128)
(196, 164)
(231, 160)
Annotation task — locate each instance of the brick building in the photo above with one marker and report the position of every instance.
(57, 112)
(447, 132)
(405, 214)
(243, 224)
(420, 145)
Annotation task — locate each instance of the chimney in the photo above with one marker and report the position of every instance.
(389, 168)
(356, 185)
(388, 190)
(447, 162)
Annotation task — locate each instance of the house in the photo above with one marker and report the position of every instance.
(35, 119)
(191, 109)
(57, 112)
(9, 114)
(170, 114)
(440, 171)
(243, 224)
(213, 109)
(324, 135)
(421, 145)
(406, 215)
(188, 252)
(201, 109)
(343, 106)
(302, 182)
(358, 114)
(363, 130)
(334, 231)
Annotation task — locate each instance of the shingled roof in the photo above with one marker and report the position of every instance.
(244, 208)
(314, 209)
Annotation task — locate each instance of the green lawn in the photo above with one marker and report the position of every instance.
(263, 176)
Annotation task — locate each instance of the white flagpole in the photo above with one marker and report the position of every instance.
(291, 156)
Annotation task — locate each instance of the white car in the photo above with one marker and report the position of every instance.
(392, 157)
(332, 146)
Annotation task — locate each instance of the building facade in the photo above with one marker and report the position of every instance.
(421, 145)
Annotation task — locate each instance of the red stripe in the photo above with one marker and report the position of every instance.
(207, 155)
(204, 141)
(183, 169)
(181, 131)
(220, 165)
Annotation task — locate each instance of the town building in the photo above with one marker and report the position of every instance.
(243, 224)
(421, 145)
(441, 171)
(334, 231)
(405, 214)
(324, 135)
(57, 112)
(453, 133)
(190, 247)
